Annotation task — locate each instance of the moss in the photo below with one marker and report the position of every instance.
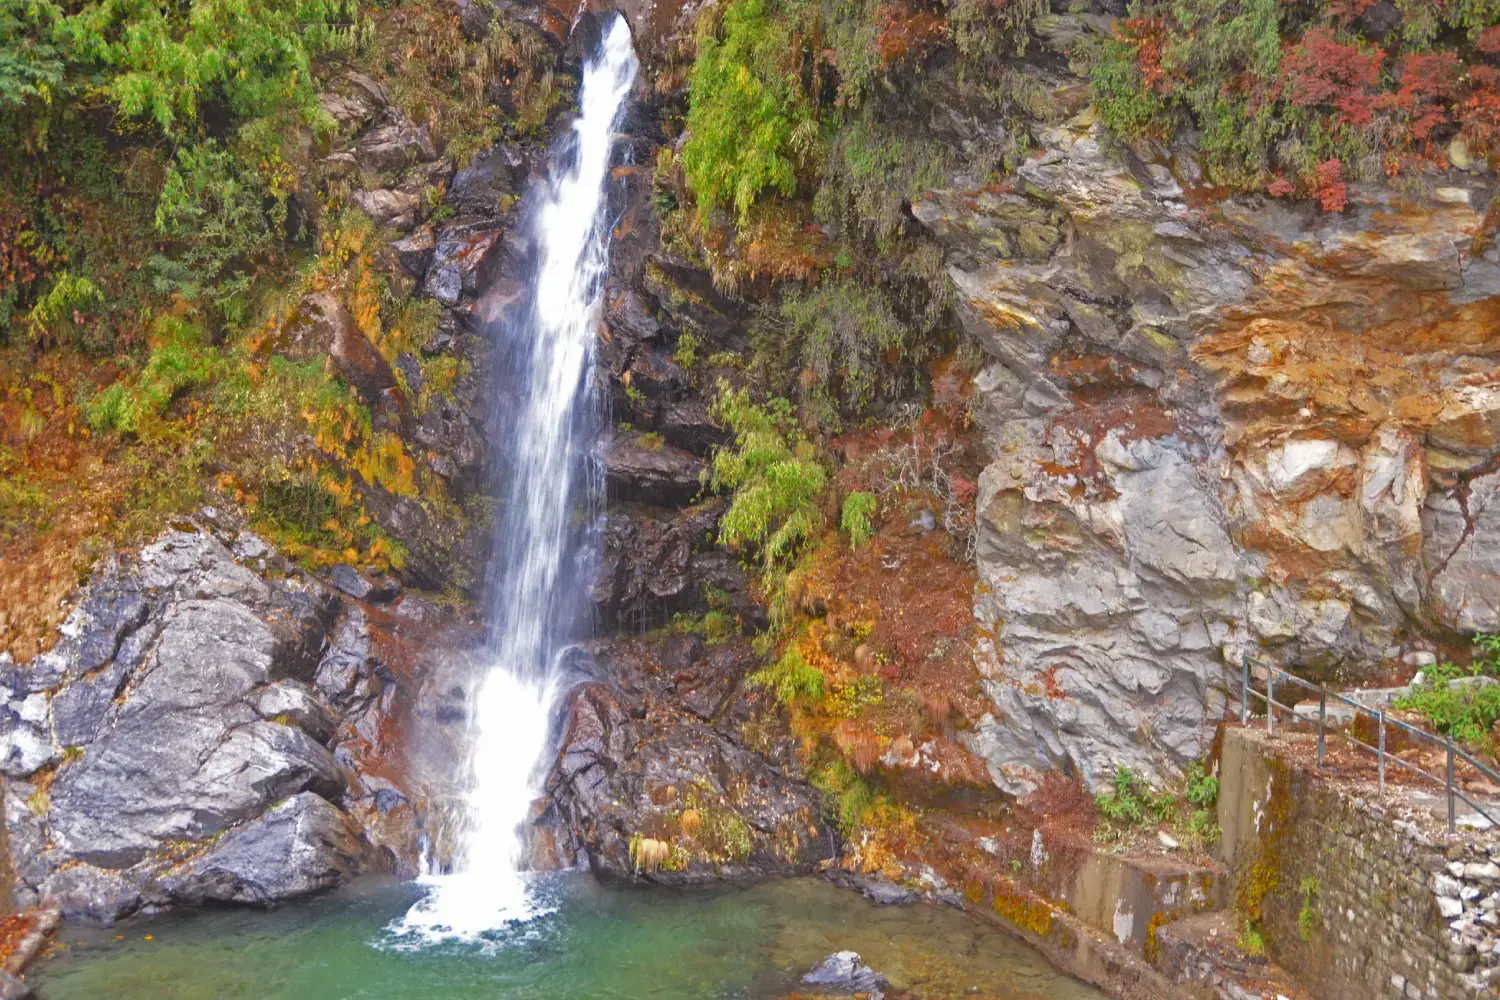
(1023, 910)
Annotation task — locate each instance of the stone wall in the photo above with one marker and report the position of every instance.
(1349, 896)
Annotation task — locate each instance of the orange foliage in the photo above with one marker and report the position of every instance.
(905, 32)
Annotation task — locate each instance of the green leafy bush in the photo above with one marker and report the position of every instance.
(1294, 97)
(60, 313)
(215, 210)
(1202, 788)
(1132, 803)
(747, 115)
(790, 677)
(180, 361)
(842, 336)
(774, 477)
(1465, 712)
(850, 795)
(857, 520)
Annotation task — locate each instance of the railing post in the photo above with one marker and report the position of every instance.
(1244, 690)
(1322, 715)
(1452, 817)
(1380, 754)
(1270, 700)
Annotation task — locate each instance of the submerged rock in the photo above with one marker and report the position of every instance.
(845, 971)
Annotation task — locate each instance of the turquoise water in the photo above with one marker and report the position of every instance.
(601, 943)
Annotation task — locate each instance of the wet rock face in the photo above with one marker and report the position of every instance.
(203, 732)
(1215, 427)
(659, 563)
(650, 780)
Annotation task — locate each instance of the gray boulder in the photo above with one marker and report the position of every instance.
(92, 894)
(299, 847)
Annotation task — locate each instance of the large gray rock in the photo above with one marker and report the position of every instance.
(642, 468)
(183, 692)
(301, 846)
(395, 145)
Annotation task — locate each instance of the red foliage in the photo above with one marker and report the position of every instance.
(1489, 40)
(905, 32)
(1329, 188)
(1479, 112)
(1148, 36)
(1319, 70)
(1280, 188)
(1348, 10)
(1427, 80)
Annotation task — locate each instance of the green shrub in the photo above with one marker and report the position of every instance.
(215, 210)
(748, 120)
(857, 520)
(1466, 712)
(1309, 889)
(1202, 788)
(774, 478)
(842, 336)
(180, 361)
(60, 313)
(163, 62)
(790, 678)
(1131, 803)
(849, 793)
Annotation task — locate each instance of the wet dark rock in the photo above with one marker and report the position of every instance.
(484, 188)
(876, 890)
(658, 563)
(353, 100)
(301, 846)
(389, 208)
(631, 762)
(456, 438)
(643, 469)
(349, 580)
(294, 703)
(414, 252)
(457, 256)
(846, 972)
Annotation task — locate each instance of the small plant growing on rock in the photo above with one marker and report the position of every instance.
(1132, 803)
(790, 677)
(858, 517)
(1309, 889)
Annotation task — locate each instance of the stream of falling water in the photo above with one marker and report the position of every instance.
(533, 612)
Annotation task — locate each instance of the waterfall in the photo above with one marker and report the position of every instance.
(535, 605)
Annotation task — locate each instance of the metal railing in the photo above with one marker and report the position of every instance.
(1382, 721)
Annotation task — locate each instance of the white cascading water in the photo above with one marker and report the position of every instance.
(487, 887)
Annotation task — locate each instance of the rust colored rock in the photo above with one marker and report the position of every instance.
(320, 326)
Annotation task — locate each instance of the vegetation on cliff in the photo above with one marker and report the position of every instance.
(163, 209)
(1303, 97)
